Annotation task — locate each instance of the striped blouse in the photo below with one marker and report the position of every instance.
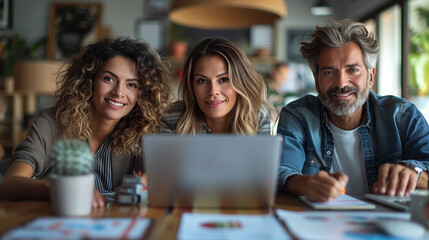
(102, 168)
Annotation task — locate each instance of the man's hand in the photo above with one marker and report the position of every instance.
(395, 180)
(321, 187)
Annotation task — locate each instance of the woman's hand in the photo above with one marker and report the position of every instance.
(98, 200)
(144, 179)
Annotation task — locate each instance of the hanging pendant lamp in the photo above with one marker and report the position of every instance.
(226, 14)
(322, 8)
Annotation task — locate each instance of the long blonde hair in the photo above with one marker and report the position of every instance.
(245, 80)
(74, 96)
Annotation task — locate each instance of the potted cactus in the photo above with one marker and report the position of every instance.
(72, 179)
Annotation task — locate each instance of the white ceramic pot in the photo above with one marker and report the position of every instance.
(72, 195)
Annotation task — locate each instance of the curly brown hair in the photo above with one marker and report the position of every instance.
(75, 95)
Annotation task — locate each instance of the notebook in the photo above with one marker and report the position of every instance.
(397, 202)
(342, 202)
(211, 171)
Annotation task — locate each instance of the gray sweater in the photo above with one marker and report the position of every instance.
(45, 132)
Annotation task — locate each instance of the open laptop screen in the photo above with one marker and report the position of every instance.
(211, 170)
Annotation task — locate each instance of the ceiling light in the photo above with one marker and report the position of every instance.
(226, 14)
(322, 8)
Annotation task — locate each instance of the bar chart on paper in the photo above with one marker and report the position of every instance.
(230, 226)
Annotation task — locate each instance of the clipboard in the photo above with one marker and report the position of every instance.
(342, 202)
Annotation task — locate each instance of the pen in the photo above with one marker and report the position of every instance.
(319, 159)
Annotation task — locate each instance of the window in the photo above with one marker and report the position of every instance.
(389, 65)
(418, 56)
(402, 28)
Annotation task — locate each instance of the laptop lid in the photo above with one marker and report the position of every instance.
(211, 171)
(397, 202)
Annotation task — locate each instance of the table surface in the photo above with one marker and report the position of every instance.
(165, 221)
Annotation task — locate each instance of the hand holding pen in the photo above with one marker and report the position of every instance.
(326, 186)
(320, 187)
(322, 163)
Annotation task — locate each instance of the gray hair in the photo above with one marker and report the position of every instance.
(336, 34)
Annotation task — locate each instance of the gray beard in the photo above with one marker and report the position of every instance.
(344, 108)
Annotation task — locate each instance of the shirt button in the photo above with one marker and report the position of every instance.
(312, 161)
(328, 152)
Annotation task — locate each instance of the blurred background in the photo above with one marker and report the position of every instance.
(37, 36)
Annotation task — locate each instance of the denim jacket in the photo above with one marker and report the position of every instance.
(393, 130)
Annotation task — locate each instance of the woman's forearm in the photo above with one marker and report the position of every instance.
(22, 188)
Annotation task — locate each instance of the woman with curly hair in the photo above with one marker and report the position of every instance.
(222, 93)
(110, 95)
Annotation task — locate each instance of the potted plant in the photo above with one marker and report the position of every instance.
(15, 49)
(72, 179)
(179, 43)
(419, 55)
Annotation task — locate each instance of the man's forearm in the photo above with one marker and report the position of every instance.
(296, 184)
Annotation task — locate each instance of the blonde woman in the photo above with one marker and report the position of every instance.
(222, 93)
(110, 95)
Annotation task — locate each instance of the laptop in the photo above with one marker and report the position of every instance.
(211, 171)
(397, 202)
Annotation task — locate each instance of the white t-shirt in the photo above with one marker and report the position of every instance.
(348, 158)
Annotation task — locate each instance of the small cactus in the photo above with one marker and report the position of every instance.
(71, 157)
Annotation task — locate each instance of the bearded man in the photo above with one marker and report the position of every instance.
(366, 142)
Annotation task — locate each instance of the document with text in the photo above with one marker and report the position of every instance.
(331, 225)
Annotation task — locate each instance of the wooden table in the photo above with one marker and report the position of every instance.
(165, 221)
